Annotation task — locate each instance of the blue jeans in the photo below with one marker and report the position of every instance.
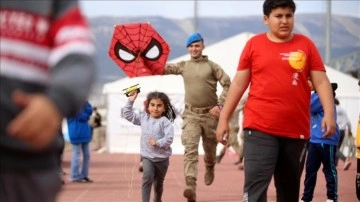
(76, 172)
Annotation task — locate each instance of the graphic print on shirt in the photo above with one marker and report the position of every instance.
(297, 61)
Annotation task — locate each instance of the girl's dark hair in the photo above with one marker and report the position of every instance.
(169, 109)
(269, 5)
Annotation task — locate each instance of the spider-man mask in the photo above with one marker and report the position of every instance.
(139, 50)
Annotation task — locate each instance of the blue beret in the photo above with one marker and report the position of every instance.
(195, 37)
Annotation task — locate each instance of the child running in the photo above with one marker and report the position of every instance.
(321, 150)
(156, 137)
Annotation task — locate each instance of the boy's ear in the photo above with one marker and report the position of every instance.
(265, 19)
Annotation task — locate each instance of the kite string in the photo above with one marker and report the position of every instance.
(130, 181)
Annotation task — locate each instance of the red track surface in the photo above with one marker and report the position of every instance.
(116, 179)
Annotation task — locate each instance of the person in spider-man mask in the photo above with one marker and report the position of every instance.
(202, 109)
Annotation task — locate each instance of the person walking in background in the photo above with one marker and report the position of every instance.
(80, 137)
(276, 66)
(157, 134)
(344, 124)
(202, 108)
(97, 135)
(40, 85)
(60, 157)
(320, 151)
(233, 136)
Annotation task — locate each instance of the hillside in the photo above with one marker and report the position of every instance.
(345, 35)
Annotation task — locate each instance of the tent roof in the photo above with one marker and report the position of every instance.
(347, 85)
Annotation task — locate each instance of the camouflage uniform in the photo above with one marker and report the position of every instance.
(200, 82)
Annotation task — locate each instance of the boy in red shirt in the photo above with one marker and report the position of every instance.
(276, 65)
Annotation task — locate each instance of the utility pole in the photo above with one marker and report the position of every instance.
(196, 24)
(328, 33)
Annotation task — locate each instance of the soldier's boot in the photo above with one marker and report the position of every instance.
(209, 175)
(189, 191)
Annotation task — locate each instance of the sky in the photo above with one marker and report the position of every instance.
(185, 9)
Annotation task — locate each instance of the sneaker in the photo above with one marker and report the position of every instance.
(209, 175)
(189, 194)
(329, 200)
(347, 164)
(78, 180)
(86, 179)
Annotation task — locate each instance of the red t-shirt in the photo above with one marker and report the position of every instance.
(279, 95)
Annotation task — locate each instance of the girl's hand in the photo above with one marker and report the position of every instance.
(133, 96)
(152, 142)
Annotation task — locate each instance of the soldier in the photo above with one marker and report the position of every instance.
(233, 138)
(202, 109)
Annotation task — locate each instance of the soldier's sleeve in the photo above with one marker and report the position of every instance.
(224, 80)
(174, 68)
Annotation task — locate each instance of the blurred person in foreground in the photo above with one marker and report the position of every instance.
(45, 46)
(276, 66)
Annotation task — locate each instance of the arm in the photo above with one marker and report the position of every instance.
(85, 113)
(174, 68)
(322, 86)
(66, 91)
(224, 80)
(128, 112)
(167, 140)
(236, 90)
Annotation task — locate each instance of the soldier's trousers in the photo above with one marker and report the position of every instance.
(196, 125)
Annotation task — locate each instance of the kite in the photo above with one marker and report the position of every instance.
(138, 49)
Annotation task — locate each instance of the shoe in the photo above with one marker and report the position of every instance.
(209, 175)
(329, 200)
(78, 181)
(86, 179)
(347, 164)
(189, 194)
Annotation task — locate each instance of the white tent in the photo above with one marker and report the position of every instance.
(122, 136)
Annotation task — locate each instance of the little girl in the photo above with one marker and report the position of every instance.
(157, 133)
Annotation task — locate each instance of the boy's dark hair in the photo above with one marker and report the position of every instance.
(336, 101)
(169, 109)
(269, 5)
